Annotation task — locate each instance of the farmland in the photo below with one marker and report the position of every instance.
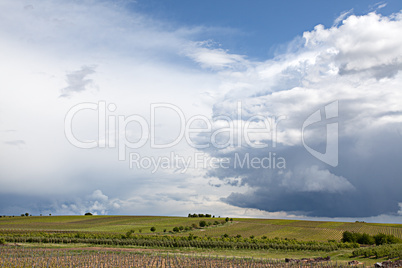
(270, 240)
(291, 229)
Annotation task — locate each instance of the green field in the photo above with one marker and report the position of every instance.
(291, 229)
(239, 237)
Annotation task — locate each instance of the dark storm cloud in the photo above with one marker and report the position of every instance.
(361, 73)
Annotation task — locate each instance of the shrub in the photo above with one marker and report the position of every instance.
(381, 239)
(153, 229)
(202, 224)
(176, 229)
(2, 241)
(365, 239)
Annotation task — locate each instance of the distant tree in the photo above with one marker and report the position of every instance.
(348, 237)
(227, 219)
(27, 214)
(129, 233)
(365, 239)
(88, 214)
(153, 229)
(50, 214)
(202, 224)
(231, 219)
(381, 239)
(22, 215)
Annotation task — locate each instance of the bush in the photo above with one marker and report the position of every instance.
(365, 239)
(176, 229)
(382, 239)
(2, 241)
(153, 229)
(202, 224)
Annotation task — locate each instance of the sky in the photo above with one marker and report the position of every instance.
(266, 109)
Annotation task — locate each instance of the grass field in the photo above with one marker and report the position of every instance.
(311, 236)
(291, 229)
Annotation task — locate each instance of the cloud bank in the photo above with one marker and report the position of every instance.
(356, 62)
(132, 61)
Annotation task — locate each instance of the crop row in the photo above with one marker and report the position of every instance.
(170, 243)
(389, 251)
(20, 257)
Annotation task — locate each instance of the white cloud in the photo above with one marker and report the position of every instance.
(313, 179)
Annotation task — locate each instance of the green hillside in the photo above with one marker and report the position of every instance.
(271, 228)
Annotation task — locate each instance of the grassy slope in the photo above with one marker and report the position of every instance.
(301, 230)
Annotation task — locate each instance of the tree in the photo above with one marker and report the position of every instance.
(27, 214)
(88, 214)
(227, 219)
(129, 233)
(349, 237)
(202, 224)
(153, 229)
(365, 239)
